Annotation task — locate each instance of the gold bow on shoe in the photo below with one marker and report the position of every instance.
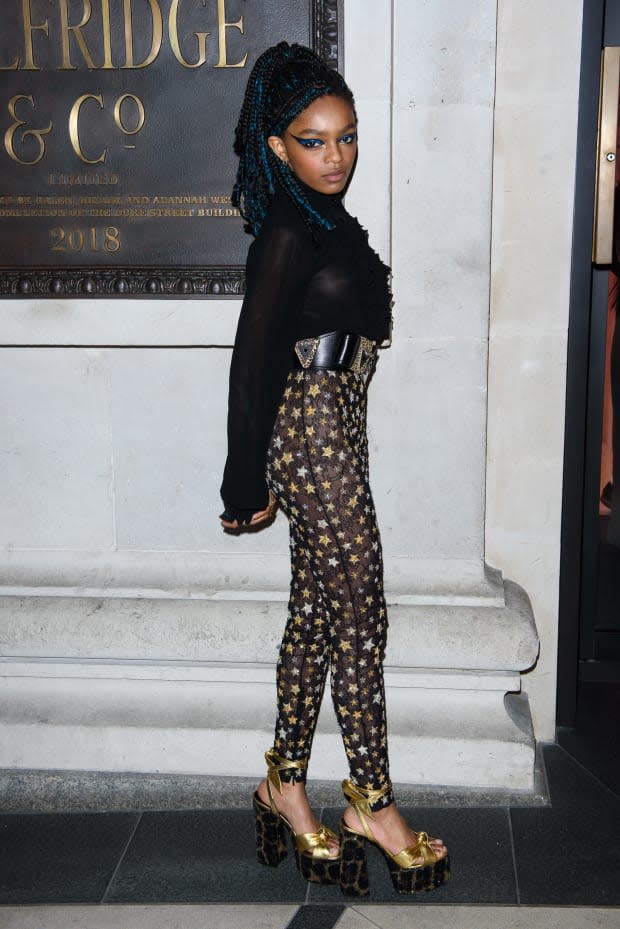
(317, 844)
(410, 856)
(314, 851)
(362, 799)
(416, 868)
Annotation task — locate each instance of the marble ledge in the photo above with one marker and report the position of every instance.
(232, 575)
(471, 638)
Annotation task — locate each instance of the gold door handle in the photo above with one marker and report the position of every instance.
(603, 239)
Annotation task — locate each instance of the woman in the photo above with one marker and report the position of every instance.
(317, 305)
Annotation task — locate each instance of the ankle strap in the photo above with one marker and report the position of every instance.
(362, 799)
(275, 764)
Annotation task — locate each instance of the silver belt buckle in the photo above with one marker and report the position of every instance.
(305, 350)
(364, 355)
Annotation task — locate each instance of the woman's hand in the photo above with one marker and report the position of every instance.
(263, 516)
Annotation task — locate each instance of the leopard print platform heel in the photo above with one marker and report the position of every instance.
(415, 869)
(313, 855)
(353, 867)
(270, 834)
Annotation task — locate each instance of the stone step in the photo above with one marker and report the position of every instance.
(446, 727)
(187, 686)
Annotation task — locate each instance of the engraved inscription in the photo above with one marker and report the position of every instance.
(93, 239)
(116, 130)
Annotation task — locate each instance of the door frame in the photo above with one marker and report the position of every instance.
(578, 362)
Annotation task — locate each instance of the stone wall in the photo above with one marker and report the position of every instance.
(538, 53)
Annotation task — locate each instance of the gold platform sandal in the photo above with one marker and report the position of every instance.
(312, 849)
(407, 876)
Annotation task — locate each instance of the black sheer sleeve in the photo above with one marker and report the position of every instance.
(277, 273)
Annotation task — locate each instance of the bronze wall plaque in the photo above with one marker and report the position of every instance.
(116, 129)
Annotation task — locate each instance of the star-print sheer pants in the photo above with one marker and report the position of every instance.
(337, 619)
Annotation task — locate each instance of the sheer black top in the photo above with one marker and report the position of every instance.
(299, 284)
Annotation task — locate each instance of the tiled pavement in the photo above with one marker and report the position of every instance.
(514, 862)
(277, 916)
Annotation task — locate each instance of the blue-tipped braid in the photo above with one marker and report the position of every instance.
(284, 81)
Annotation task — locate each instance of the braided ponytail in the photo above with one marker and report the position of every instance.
(284, 81)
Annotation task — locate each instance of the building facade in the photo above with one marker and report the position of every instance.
(135, 635)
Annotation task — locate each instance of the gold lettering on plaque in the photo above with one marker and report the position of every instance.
(107, 35)
(28, 30)
(173, 29)
(9, 135)
(158, 35)
(74, 129)
(118, 115)
(65, 29)
(222, 27)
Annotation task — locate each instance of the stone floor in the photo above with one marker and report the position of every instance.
(513, 866)
(320, 916)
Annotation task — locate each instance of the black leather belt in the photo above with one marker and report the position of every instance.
(336, 351)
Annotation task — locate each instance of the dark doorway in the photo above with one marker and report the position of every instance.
(589, 632)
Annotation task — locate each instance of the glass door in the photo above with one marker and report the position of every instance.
(600, 600)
